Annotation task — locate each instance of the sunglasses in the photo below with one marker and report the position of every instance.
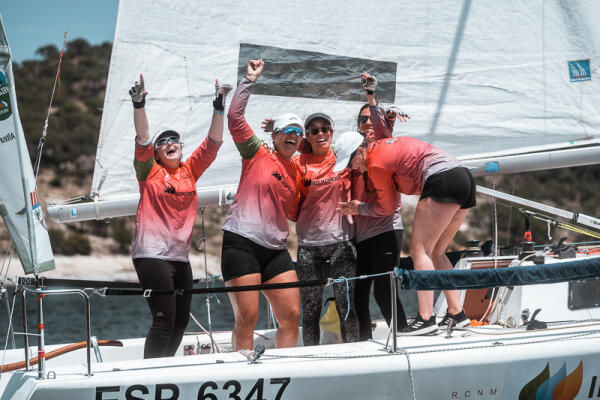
(291, 130)
(315, 130)
(363, 118)
(164, 141)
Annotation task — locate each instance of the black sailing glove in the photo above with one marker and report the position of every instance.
(138, 94)
(221, 92)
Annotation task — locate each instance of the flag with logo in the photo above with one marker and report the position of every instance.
(20, 204)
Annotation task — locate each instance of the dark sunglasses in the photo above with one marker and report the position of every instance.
(315, 130)
(363, 118)
(164, 141)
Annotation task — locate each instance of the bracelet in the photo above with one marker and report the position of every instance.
(219, 112)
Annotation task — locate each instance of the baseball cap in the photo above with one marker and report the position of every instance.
(287, 119)
(318, 115)
(345, 145)
(162, 134)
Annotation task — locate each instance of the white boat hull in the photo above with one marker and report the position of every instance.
(481, 363)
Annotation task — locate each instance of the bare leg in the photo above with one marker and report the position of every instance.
(431, 220)
(286, 307)
(245, 309)
(441, 261)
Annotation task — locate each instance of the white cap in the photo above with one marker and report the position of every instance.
(164, 133)
(287, 120)
(345, 144)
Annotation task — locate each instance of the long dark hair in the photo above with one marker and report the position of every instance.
(358, 116)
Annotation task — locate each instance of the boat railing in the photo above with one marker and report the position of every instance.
(41, 293)
(458, 279)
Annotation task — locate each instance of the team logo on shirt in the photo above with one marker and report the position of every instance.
(171, 190)
(279, 177)
(325, 181)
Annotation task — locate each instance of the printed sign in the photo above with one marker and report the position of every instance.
(5, 110)
(580, 70)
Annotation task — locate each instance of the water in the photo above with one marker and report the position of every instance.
(122, 317)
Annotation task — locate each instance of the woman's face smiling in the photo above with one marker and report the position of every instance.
(366, 128)
(286, 144)
(319, 134)
(168, 155)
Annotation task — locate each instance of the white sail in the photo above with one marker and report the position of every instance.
(479, 79)
(475, 76)
(20, 205)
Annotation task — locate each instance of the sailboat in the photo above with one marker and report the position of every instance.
(505, 86)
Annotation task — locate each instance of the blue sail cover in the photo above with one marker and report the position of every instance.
(511, 276)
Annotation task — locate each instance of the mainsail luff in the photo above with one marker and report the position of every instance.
(20, 205)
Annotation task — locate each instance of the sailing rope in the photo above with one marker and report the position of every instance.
(38, 158)
(12, 309)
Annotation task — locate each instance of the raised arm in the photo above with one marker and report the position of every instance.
(144, 153)
(206, 153)
(382, 119)
(244, 138)
(140, 120)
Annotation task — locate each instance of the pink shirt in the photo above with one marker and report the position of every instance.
(268, 192)
(368, 227)
(322, 189)
(401, 164)
(168, 202)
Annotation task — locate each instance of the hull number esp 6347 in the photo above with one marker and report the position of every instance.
(232, 389)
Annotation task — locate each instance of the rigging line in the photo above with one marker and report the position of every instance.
(7, 332)
(512, 192)
(42, 141)
(10, 248)
(3, 263)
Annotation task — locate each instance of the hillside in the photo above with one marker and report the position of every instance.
(68, 159)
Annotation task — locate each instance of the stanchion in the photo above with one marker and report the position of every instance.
(210, 328)
(26, 335)
(394, 284)
(40, 328)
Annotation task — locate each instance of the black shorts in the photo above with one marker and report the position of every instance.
(453, 186)
(241, 256)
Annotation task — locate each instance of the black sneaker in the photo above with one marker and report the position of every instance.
(460, 320)
(418, 326)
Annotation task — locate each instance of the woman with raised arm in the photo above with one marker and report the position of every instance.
(256, 227)
(324, 236)
(447, 189)
(165, 218)
(378, 239)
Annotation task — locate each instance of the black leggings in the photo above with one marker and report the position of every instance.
(311, 265)
(170, 314)
(376, 255)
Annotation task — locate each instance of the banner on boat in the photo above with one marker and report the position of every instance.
(20, 204)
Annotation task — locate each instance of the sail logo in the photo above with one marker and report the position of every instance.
(579, 70)
(558, 386)
(5, 110)
(8, 137)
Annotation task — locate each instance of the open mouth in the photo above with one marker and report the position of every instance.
(170, 151)
(321, 141)
(290, 141)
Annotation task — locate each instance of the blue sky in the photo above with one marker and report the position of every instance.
(30, 24)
